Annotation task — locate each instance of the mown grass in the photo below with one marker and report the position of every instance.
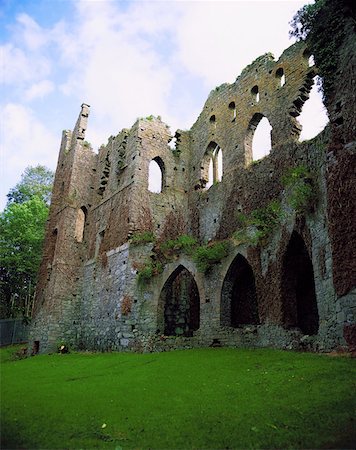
(208, 398)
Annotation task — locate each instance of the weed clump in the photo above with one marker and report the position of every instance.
(144, 237)
(208, 255)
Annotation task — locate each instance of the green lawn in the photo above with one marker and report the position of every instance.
(205, 399)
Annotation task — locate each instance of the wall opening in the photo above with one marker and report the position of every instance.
(156, 174)
(99, 239)
(212, 167)
(80, 224)
(313, 117)
(238, 296)
(281, 77)
(258, 140)
(299, 305)
(180, 304)
(232, 108)
(255, 94)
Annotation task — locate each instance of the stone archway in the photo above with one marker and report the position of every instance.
(180, 303)
(299, 305)
(238, 295)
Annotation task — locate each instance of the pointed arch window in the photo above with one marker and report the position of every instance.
(212, 168)
(156, 175)
(258, 141)
(80, 224)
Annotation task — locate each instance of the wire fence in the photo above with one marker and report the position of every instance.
(13, 331)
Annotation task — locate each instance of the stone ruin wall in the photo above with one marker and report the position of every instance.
(88, 295)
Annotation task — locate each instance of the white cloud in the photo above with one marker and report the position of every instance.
(32, 35)
(24, 141)
(39, 90)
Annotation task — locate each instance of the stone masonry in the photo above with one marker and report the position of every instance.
(278, 292)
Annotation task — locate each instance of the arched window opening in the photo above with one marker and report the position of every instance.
(179, 304)
(52, 246)
(281, 76)
(313, 117)
(238, 296)
(307, 55)
(212, 167)
(156, 175)
(255, 93)
(80, 223)
(212, 119)
(299, 303)
(232, 108)
(258, 142)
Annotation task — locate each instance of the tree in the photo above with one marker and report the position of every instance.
(22, 228)
(35, 181)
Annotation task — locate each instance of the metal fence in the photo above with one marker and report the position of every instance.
(13, 331)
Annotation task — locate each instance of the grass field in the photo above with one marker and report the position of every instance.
(208, 399)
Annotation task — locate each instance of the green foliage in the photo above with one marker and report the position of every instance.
(35, 181)
(22, 227)
(264, 398)
(148, 271)
(183, 243)
(143, 237)
(300, 187)
(256, 228)
(305, 19)
(208, 255)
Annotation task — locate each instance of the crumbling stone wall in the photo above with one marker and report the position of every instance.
(89, 294)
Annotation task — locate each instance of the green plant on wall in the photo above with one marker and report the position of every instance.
(143, 237)
(300, 189)
(148, 271)
(206, 256)
(256, 227)
(183, 243)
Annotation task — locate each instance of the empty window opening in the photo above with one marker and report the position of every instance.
(298, 289)
(281, 76)
(313, 117)
(212, 119)
(232, 108)
(255, 93)
(179, 304)
(311, 61)
(80, 223)
(212, 167)
(99, 240)
(156, 175)
(258, 142)
(238, 296)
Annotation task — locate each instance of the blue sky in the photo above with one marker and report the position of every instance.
(126, 59)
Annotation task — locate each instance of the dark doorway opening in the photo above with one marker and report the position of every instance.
(181, 303)
(300, 307)
(238, 296)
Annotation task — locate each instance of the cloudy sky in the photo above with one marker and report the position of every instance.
(126, 59)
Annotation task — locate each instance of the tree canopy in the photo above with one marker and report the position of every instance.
(35, 181)
(22, 228)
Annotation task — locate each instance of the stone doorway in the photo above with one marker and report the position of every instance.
(181, 303)
(238, 295)
(299, 303)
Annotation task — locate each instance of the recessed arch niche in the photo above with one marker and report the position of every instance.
(299, 304)
(179, 304)
(238, 295)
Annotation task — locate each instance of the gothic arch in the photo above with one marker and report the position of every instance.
(253, 150)
(212, 165)
(299, 305)
(238, 295)
(80, 223)
(156, 175)
(179, 304)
